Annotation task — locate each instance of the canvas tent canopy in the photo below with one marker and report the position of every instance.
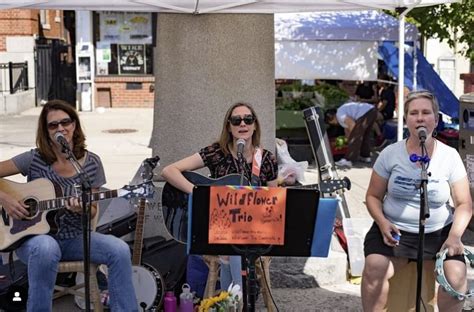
(328, 45)
(217, 6)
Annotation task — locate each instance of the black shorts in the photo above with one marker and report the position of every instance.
(408, 245)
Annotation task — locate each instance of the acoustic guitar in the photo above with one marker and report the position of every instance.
(175, 202)
(44, 199)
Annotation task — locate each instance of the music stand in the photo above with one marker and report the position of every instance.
(308, 228)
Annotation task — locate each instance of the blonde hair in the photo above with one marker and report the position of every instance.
(422, 94)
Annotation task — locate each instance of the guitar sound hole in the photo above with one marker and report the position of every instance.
(32, 207)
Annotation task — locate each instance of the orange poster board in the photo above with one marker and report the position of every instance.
(247, 215)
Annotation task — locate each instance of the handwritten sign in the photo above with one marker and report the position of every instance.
(247, 215)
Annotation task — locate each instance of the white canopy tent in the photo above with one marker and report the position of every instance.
(330, 45)
(242, 6)
(218, 6)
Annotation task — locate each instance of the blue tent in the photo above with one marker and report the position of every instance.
(427, 78)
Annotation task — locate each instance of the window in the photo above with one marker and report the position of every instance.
(44, 19)
(124, 43)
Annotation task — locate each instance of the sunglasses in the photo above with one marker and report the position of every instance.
(237, 120)
(53, 125)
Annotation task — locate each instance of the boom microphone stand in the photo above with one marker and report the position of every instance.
(424, 214)
(85, 200)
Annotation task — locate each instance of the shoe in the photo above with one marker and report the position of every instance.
(344, 163)
(366, 160)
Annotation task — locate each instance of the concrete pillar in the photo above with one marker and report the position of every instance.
(204, 64)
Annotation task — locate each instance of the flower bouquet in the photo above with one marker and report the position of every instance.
(226, 301)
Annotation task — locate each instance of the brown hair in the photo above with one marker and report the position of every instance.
(43, 141)
(226, 138)
(423, 94)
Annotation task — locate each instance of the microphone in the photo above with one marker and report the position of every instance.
(240, 147)
(59, 137)
(421, 130)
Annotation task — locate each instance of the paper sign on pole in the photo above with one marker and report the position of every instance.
(247, 215)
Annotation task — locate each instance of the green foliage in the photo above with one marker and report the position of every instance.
(442, 21)
(333, 96)
(298, 103)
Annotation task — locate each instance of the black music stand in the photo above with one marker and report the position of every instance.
(308, 227)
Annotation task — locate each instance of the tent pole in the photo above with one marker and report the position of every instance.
(401, 67)
(401, 74)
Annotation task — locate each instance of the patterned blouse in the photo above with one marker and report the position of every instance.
(220, 164)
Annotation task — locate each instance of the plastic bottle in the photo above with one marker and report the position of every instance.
(186, 299)
(170, 302)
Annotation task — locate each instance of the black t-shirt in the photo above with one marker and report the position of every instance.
(365, 91)
(389, 96)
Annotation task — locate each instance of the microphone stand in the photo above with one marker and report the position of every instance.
(240, 158)
(424, 214)
(85, 200)
(249, 256)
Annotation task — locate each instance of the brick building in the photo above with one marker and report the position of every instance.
(46, 40)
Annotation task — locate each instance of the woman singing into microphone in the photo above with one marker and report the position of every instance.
(240, 125)
(59, 122)
(393, 201)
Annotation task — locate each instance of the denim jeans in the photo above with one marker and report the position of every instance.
(42, 254)
(231, 272)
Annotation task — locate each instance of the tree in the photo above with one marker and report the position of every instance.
(442, 21)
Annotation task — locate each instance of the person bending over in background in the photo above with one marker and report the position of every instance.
(357, 119)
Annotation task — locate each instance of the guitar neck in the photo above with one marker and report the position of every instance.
(60, 202)
(138, 243)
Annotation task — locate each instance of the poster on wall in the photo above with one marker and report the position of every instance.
(102, 69)
(121, 27)
(103, 52)
(84, 69)
(132, 58)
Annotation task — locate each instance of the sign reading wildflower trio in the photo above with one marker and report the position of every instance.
(247, 215)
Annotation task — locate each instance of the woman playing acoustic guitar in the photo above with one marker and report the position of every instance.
(240, 125)
(42, 253)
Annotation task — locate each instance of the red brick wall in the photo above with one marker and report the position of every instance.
(121, 97)
(19, 22)
(468, 82)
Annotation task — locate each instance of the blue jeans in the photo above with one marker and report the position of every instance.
(231, 272)
(42, 254)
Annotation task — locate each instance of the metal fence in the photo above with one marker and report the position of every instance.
(14, 77)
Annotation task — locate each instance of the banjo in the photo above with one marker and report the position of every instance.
(147, 281)
(148, 284)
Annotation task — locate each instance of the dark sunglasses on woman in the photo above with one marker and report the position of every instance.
(53, 125)
(236, 120)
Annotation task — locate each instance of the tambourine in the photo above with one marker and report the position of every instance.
(441, 279)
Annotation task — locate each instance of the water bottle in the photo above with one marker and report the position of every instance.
(186, 299)
(170, 302)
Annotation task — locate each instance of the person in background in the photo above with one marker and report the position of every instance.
(42, 253)
(393, 201)
(385, 106)
(357, 119)
(240, 122)
(365, 92)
